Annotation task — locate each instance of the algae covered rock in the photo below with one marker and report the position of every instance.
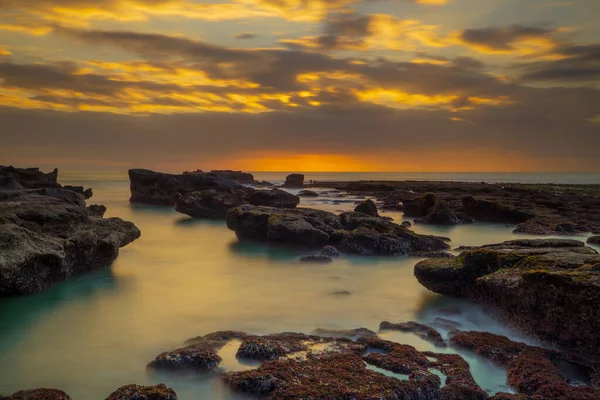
(138, 392)
(367, 207)
(548, 287)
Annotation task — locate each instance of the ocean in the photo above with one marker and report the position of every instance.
(183, 278)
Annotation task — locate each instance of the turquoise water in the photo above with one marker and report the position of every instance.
(184, 278)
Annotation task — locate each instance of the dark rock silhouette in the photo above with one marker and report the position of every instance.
(294, 181)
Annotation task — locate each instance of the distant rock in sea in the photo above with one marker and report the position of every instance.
(294, 181)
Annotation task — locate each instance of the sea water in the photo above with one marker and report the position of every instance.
(183, 278)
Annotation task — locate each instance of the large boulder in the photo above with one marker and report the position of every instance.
(356, 233)
(367, 207)
(45, 239)
(490, 211)
(210, 203)
(236, 176)
(294, 181)
(548, 287)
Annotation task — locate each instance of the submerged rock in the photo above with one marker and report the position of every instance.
(367, 207)
(423, 331)
(356, 233)
(45, 238)
(294, 181)
(316, 258)
(548, 287)
(138, 392)
(38, 394)
(308, 193)
(330, 251)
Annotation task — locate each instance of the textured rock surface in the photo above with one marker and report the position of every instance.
(294, 181)
(367, 207)
(138, 392)
(47, 235)
(490, 211)
(432, 210)
(548, 287)
(593, 240)
(38, 394)
(356, 233)
(550, 226)
(423, 331)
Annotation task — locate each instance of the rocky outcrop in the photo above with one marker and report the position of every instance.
(550, 226)
(47, 235)
(535, 372)
(236, 176)
(29, 178)
(367, 207)
(38, 394)
(490, 211)
(138, 392)
(356, 233)
(294, 181)
(548, 287)
(432, 210)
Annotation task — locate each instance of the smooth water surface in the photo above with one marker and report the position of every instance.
(184, 278)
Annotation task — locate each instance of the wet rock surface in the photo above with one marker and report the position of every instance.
(316, 258)
(423, 331)
(593, 240)
(547, 287)
(355, 233)
(432, 210)
(308, 193)
(535, 372)
(138, 392)
(48, 235)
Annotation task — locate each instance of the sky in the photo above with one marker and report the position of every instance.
(301, 85)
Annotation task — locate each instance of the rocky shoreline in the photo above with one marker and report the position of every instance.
(358, 364)
(47, 233)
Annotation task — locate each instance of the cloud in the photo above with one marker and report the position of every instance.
(245, 35)
(571, 64)
(512, 39)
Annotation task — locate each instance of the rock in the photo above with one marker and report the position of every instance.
(38, 394)
(214, 203)
(367, 207)
(433, 211)
(96, 210)
(345, 333)
(489, 211)
(236, 176)
(316, 258)
(423, 331)
(294, 181)
(330, 251)
(550, 226)
(211, 203)
(193, 357)
(138, 392)
(341, 293)
(44, 239)
(406, 224)
(352, 232)
(432, 254)
(156, 188)
(308, 193)
(31, 178)
(274, 198)
(547, 287)
(593, 240)
(88, 193)
(532, 370)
